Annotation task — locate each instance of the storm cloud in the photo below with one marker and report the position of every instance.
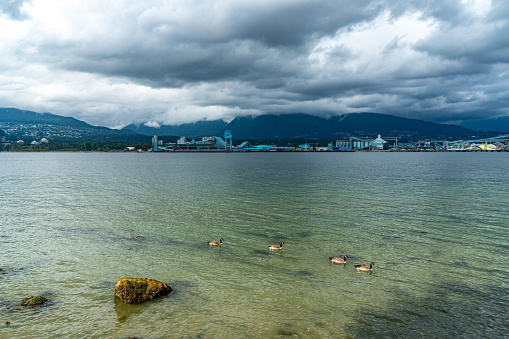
(165, 62)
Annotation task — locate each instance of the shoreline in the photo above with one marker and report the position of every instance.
(261, 151)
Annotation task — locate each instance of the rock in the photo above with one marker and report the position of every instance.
(137, 290)
(136, 238)
(8, 271)
(33, 301)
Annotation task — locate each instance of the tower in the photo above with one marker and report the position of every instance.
(154, 143)
(228, 140)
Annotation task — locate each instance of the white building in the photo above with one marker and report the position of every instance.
(378, 143)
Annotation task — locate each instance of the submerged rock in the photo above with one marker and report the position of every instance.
(137, 238)
(31, 302)
(137, 290)
(9, 271)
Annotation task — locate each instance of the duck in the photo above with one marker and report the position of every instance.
(364, 267)
(216, 243)
(339, 260)
(276, 247)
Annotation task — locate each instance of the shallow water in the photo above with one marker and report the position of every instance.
(435, 225)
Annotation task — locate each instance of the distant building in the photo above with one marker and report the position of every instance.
(210, 143)
(378, 143)
(155, 144)
(269, 148)
(228, 140)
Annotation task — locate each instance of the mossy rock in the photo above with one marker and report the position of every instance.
(137, 290)
(33, 301)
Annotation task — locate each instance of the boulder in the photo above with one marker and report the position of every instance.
(137, 290)
(33, 301)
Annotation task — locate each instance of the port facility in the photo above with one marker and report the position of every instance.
(214, 143)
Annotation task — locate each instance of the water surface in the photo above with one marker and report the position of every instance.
(436, 226)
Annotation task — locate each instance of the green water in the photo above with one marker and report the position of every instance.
(435, 225)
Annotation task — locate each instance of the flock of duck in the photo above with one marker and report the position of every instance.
(335, 260)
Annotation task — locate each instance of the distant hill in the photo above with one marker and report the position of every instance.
(14, 115)
(196, 129)
(29, 126)
(497, 124)
(303, 126)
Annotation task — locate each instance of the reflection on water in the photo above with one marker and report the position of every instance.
(125, 310)
(436, 225)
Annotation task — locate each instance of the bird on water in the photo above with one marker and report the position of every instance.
(339, 260)
(276, 247)
(364, 267)
(216, 243)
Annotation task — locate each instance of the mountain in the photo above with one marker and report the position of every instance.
(18, 116)
(498, 124)
(303, 126)
(196, 129)
(29, 126)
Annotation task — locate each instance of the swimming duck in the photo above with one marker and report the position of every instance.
(364, 267)
(338, 260)
(276, 247)
(216, 243)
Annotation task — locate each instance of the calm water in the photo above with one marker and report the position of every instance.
(436, 226)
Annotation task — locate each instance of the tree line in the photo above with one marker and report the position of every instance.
(87, 146)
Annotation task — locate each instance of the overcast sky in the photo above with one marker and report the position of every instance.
(111, 63)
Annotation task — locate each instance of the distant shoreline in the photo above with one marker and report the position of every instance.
(261, 151)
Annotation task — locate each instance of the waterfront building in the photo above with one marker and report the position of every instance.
(155, 144)
(378, 143)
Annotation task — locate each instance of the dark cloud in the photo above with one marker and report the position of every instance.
(246, 41)
(439, 60)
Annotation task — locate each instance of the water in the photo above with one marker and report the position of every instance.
(435, 225)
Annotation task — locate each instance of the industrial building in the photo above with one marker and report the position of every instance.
(359, 144)
(205, 144)
(352, 144)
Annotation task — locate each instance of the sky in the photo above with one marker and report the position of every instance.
(112, 63)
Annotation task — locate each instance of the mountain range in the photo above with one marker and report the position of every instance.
(27, 125)
(303, 126)
(497, 124)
